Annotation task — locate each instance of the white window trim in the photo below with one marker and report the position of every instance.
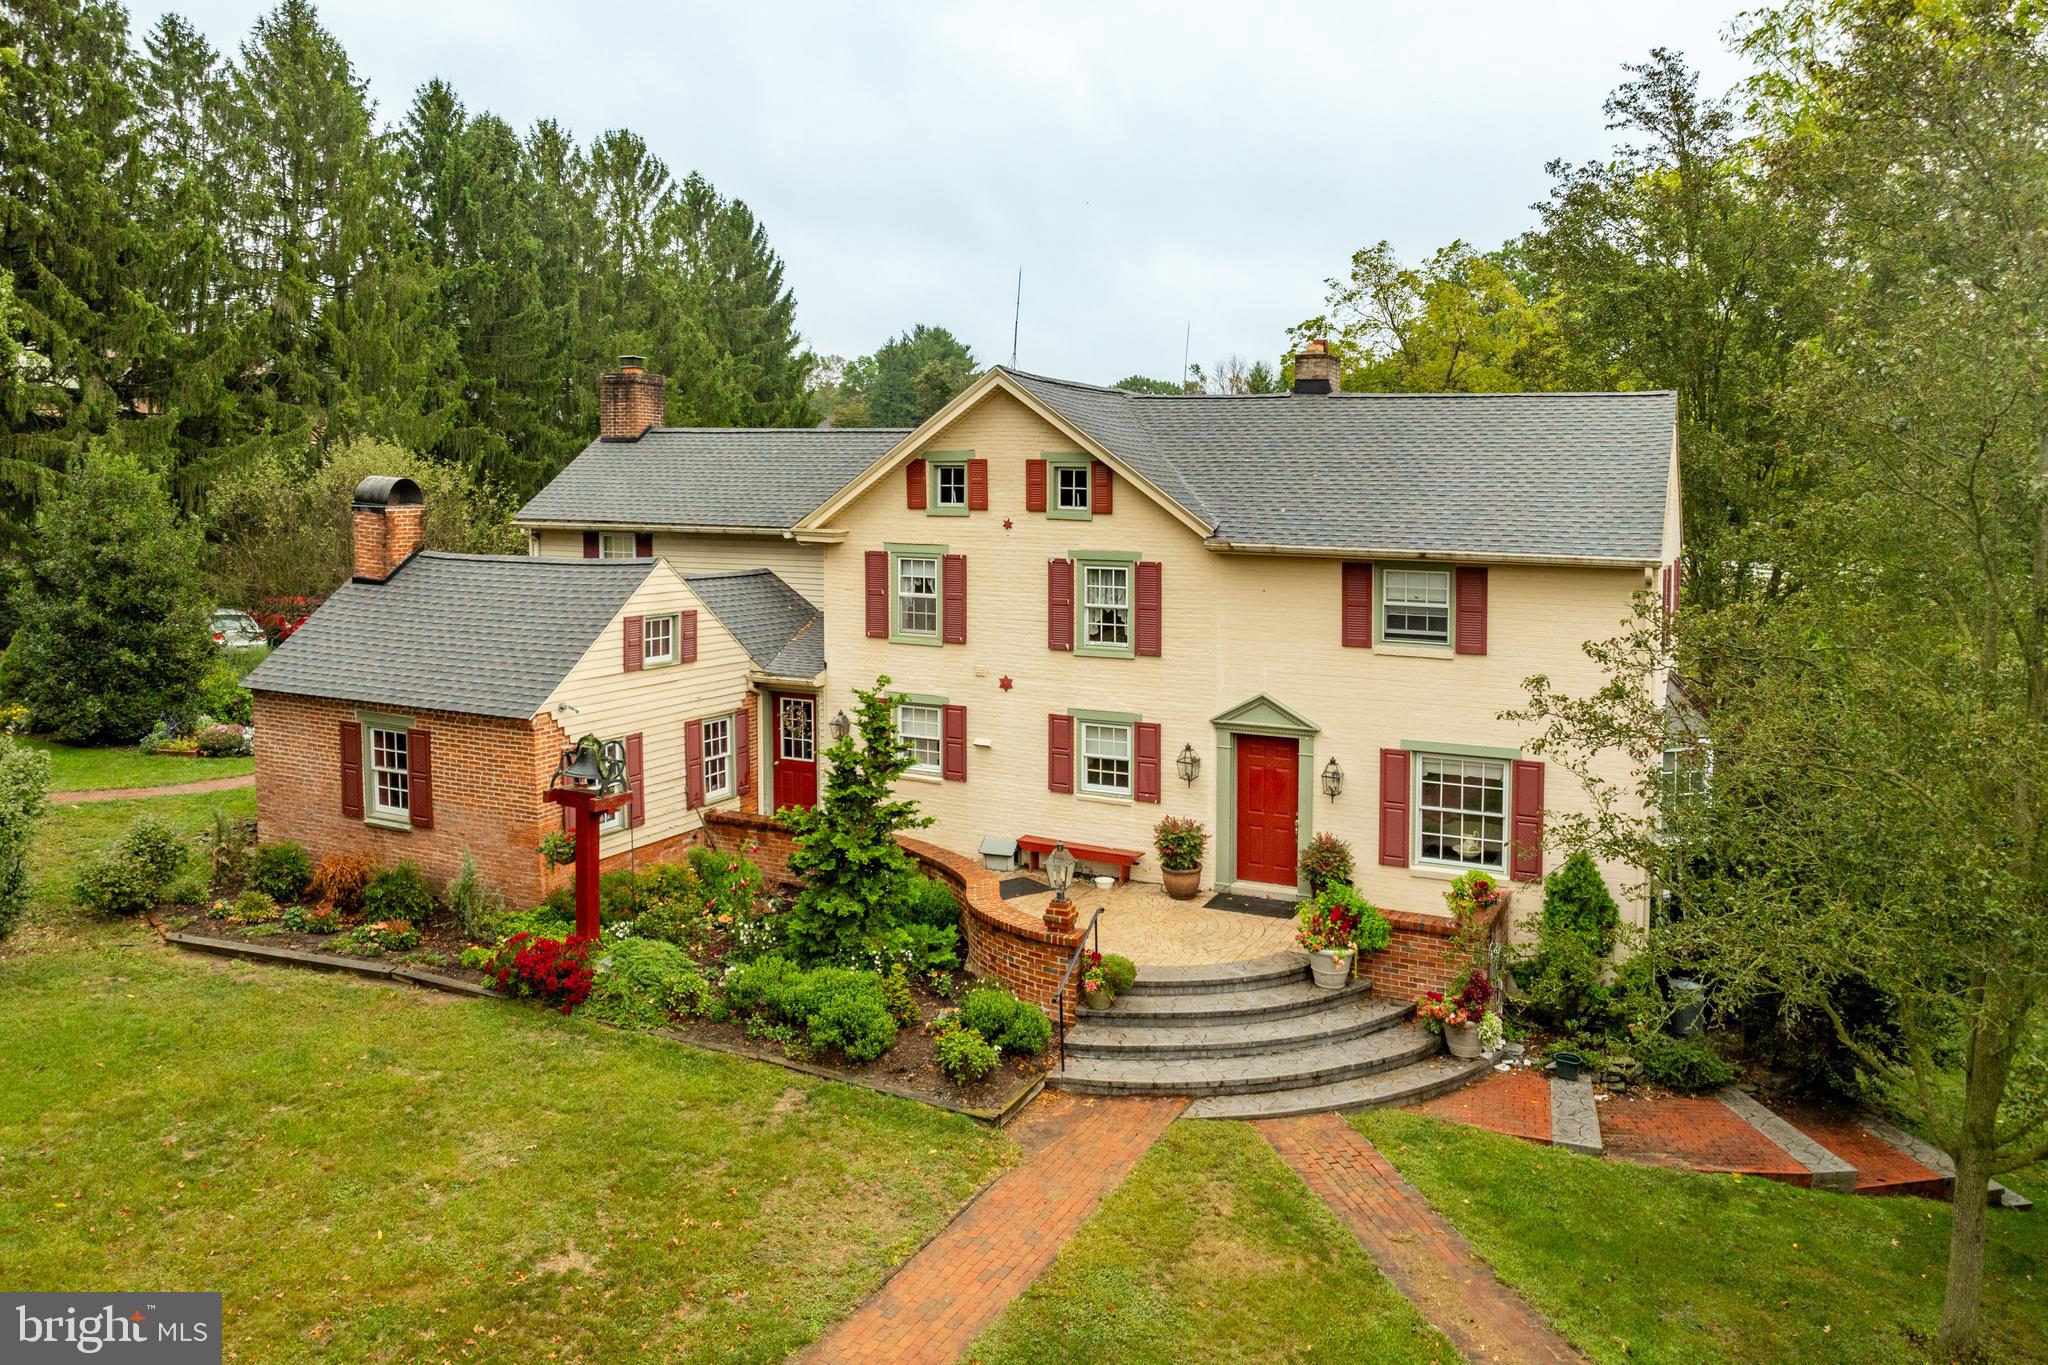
(1384, 599)
(726, 788)
(648, 658)
(1128, 758)
(782, 753)
(939, 472)
(373, 806)
(937, 736)
(1128, 607)
(1507, 814)
(1059, 488)
(903, 626)
(607, 540)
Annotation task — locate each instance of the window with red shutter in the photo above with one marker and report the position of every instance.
(1471, 595)
(1357, 606)
(953, 606)
(1102, 489)
(977, 485)
(419, 757)
(352, 769)
(1526, 863)
(1059, 752)
(878, 593)
(693, 763)
(1059, 604)
(1394, 807)
(743, 749)
(688, 644)
(1034, 485)
(592, 548)
(1146, 640)
(643, 544)
(636, 783)
(953, 760)
(635, 637)
(1145, 765)
(913, 485)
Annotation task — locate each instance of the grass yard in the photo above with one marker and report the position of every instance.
(74, 769)
(69, 832)
(1638, 1264)
(1213, 1250)
(372, 1173)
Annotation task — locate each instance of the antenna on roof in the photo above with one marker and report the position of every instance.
(1186, 337)
(1015, 316)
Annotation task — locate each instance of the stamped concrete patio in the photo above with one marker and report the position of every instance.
(1152, 929)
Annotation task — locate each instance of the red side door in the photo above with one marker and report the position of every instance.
(1268, 792)
(796, 750)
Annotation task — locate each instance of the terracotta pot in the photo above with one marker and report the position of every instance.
(1182, 885)
(1332, 970)
(1462, 1039)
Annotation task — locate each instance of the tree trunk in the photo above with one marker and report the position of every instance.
(1962, 1307)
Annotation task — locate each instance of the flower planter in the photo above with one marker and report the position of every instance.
(1099, 999)
(1331, 970)
(1182, 883)
(1462, 1039)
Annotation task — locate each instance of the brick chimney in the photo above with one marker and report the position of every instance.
(630, 400)
(1316, 370)
(390, 525)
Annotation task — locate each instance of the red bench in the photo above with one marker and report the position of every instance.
(1121, 858)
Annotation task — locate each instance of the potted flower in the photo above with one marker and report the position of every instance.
(1181, 843)
(1335, 927)
(1095, 989)
(1457, 1014)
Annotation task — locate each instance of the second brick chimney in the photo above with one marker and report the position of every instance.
(1316, 370)
(390, 525)
(630, 400)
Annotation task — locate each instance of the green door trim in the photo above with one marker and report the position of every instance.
(1262, 716)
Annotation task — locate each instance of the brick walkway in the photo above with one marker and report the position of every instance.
(211, 784)
(1424, 1256)
(1513, 1102)
(1078, 1149)
(1880, 1167)
(1697, 1135)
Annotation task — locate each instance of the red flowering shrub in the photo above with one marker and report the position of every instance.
(555, 970)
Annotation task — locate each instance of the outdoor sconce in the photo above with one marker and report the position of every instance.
(1333, 779)
(841, 726)
(1189, 763)
(1059, 871)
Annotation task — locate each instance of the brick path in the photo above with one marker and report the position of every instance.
(1698, 1135)
(1424, 1256)
(1513, 1102)
(1880, 1167)
(1078, 1149)
(211, 784)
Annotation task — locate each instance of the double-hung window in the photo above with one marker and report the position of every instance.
(1070, 490)
(918, 725)
(949, 486)
(657, 641)
(1415, 606)
(390, 773)
(917, 595)
(1106, 605)
(615, 545)
(1105, 758)
(717, 758)
(1461, 811)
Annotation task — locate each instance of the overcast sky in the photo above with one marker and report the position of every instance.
(1150, 168)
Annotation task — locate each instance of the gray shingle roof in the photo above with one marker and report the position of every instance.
(781, 631)
(1561, 475)
(771, 477)
(487, 635)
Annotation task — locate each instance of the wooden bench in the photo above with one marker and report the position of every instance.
(1121, 858)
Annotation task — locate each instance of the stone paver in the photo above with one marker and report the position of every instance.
(1513, 1102)
(1699, 1135)
(1424, 1256)
(211, 784)
(1078, 1150)
(1574, 1117)
(1150, 927)
(1825, 1169)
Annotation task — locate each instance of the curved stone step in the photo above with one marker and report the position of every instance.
(1410, 1084)
(1310, 1065)
(1217, 977)
(1353, 1017)
(1275, 999)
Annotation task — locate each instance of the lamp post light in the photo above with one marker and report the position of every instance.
(1059, 871)
(1333, 779)
(590, 783)
(1189, 764)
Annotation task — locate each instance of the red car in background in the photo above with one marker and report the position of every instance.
(283, 615)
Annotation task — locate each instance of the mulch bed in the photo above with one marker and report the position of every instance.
(909, 1069)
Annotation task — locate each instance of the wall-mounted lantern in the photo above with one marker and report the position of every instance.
(1189, 764)
(841, 726)
(1333, 779)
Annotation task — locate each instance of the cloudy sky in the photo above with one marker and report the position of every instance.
(1152, 169)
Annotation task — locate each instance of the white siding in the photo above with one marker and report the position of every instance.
(800, 566)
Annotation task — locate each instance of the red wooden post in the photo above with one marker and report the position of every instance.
(589, 809)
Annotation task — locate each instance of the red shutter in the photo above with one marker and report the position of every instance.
(1145, 771)
(1394, 807)
(686, 647)
(636, 783)
(1357, 611)
(1059, 604)
(591, 549)
(1147, 638)
(351, 769)
(635, 634)
(1471, 595)
(1526, 864)
(693, 764)
(643, 544)
(913, 485)
(953, 599)
(1101, 490)
(878, 593)
(1034, 485)
(419, 768)
(1059, 752)
(977, 485)
(743, 749)
(953, 761)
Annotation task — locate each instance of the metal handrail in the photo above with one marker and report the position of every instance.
(1060, 997)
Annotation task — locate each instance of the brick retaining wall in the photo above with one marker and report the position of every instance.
(1420, 957)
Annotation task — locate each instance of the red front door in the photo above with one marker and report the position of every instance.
(1267, 792)
(796, 750)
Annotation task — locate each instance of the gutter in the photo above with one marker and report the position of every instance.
(772, 680)
(778, 532)
(1222, 546)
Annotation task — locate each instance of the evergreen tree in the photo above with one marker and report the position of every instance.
(911, 377)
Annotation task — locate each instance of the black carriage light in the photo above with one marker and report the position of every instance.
(1333, 779)
(1189, 764)
(841, 726)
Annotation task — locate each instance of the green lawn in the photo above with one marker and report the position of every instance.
(1213, 1250)
(68, 832)
(1638, 1264)
(74, 769)
(372, 1173)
